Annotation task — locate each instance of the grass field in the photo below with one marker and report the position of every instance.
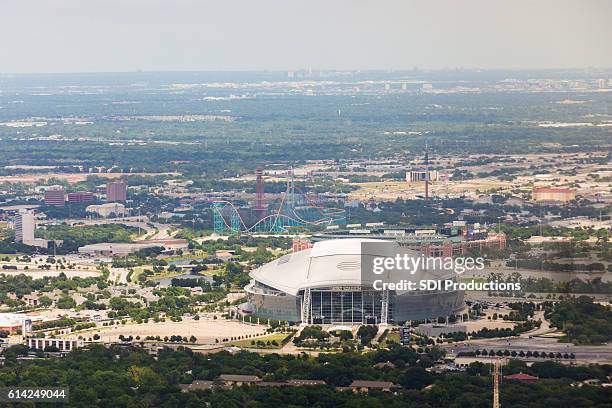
(189, 256)
(393, 337)
(279, 337)
(166, 274)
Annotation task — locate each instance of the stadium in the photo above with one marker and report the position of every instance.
(324, 285)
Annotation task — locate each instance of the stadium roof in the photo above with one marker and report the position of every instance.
(327, 263)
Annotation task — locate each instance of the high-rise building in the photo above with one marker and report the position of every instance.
(55, 196)
(80, 197)
(116, 191)
(24, 230)
(24, 226)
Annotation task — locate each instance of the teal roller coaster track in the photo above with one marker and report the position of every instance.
(227, 219)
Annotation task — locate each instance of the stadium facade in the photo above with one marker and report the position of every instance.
(324, 285)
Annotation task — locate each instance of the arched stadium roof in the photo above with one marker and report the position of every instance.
(327, 263)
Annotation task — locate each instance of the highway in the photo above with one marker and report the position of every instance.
(540, 344)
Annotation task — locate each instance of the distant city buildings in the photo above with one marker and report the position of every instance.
(80, 197)
(107, 210)
(421, 175)
(553, 195)
(62, 345)
(116, 191)
(55, 196)
(300, 244)
(452, 241)
(110, 249)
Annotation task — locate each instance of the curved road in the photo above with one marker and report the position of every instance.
(529, 341)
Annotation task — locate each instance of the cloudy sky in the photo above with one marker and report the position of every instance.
(128, 35)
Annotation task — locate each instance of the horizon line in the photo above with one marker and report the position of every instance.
(385, 70)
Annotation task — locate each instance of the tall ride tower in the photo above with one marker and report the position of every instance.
(290, 193)
(260, 210)
(426, 174)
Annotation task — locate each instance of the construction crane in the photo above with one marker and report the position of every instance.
(496, 380)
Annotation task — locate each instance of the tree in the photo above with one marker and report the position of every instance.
(45, 301)
(415, 378)
(143, 377)
(66, 302)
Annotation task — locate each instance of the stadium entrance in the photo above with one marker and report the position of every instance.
(346, 305)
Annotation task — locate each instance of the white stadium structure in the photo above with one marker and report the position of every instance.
(323, 285)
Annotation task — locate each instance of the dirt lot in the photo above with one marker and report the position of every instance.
(34, 178)
(206, 330)
(388, 191)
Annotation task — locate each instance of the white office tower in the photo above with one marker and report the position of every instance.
(24, 230)
(24, 227)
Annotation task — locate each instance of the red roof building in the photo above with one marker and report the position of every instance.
(523, 378)
(552, 195)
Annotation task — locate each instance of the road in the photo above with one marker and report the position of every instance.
(590, 353)
(152, 230)
(544, 326)
(529, 341)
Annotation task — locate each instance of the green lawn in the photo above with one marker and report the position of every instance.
(393, 337)
(246, 343)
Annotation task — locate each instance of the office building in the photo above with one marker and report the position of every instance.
(55, 196)
(63, 345)
(116, 191)
(80, 197)
(107, 210)
(24, 230)
(24, 226)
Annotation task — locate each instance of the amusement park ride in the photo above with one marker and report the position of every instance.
(295, 210)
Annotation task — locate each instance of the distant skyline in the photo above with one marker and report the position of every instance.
(239, 35)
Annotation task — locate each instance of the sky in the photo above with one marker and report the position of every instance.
(39, 36)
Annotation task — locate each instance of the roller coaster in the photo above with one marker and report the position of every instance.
(227, 218)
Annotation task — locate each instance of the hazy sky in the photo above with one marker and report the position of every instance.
(127, 35)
